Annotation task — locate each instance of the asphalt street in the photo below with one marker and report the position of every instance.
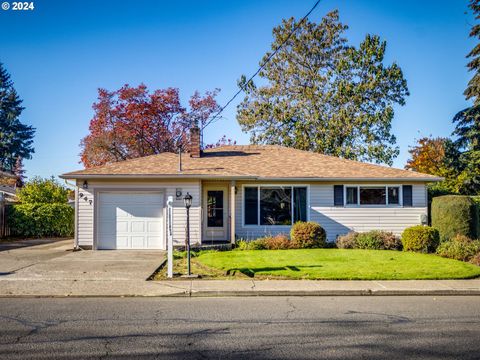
(382, 327)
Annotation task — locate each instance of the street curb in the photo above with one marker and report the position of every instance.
(272, 293)
(366, 292)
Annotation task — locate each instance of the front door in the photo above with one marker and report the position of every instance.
(215, 207)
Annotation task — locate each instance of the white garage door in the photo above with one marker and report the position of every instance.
(130, 220)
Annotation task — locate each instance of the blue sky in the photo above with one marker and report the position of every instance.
(60, 53)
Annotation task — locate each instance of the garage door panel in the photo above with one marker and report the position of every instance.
(123, 213)
(147, 212)
(130, 221)
(154, 242)
(154, 226)
(138, 226)
(122, 242)
(138, 242)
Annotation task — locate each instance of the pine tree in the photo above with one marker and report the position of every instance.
(16, 139)
(467, 121)
(19, 172)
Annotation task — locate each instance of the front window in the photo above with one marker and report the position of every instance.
(274, 205)
(352, 195)
(372, 195)
(394, 195)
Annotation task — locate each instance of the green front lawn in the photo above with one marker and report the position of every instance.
(335, 264)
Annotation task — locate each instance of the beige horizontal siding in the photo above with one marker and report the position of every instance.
(340, 220)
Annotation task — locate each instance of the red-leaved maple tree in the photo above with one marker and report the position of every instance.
(132, 122)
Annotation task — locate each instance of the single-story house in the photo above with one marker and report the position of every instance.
(240, 192)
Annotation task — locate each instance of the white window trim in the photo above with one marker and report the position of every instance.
(386, 186)
(258, 186)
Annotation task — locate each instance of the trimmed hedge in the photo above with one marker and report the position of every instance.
(420, 238)
(455, 215)
(38, 220)
(308, 235)
(476, 200)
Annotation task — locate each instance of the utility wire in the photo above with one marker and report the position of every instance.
(261, 67)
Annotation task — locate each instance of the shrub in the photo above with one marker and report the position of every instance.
(420, 238)
(43, 191)
(370, 240)
(37, 220)
(454, 214)
(347, 241)
(307, 235)
(459, 247)
(250, 245)
(258, 244)
(391, 241)
(277, 242)
(476, 200)
(241, 244)
(374, 240)
(475, 260)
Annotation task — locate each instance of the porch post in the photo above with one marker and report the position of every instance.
(232, 211)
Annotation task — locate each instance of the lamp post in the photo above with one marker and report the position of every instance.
(188, 203)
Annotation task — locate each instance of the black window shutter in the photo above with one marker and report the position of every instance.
(407, 195)
(338, 195)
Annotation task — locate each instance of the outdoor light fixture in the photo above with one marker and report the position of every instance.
(187, 199)
(188, 202)
(85, 185)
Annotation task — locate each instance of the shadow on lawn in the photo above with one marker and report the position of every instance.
(250, 272)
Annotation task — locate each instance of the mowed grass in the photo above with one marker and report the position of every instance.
(337, 264)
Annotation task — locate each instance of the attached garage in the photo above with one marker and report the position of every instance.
(130, 220)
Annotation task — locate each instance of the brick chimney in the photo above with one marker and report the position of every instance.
(195, 147)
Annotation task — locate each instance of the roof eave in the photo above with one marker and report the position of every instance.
(152, 176)
(245, 177)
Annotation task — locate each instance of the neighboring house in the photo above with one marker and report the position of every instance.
(240, 192)
(8, 192)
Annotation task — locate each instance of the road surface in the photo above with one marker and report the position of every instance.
(242, 328)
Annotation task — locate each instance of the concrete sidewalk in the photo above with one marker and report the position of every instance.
(196, 288)
(52, 269)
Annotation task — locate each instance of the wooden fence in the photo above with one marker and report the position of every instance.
(4, 229)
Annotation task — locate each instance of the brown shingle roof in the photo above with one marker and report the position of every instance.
(251, 161)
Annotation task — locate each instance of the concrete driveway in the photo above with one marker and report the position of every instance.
(57, 261)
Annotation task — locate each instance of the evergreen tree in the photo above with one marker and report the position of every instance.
(16, 139)
(19, 172)
(467, 121)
